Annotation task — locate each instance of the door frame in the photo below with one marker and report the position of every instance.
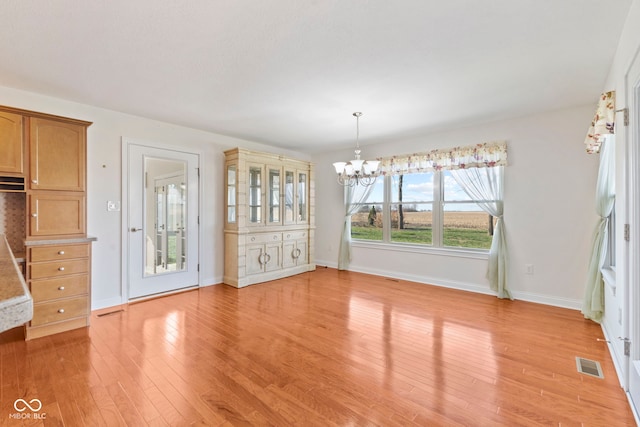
(124, 213)
(632, 178)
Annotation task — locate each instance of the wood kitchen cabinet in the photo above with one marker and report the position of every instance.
(56, 205)
(56, 214)
(11, 144)
(59, 277)
(49, 153)
(57, 159)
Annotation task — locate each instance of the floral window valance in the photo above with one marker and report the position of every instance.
(484, 155)
(603, 122)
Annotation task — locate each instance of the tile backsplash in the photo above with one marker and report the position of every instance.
(12, 220)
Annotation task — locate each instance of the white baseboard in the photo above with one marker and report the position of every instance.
(106, 303)
(111, 302)
(209, 281)
(471, 287)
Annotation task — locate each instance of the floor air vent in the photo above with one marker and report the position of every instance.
(110, 313)
(589, 367)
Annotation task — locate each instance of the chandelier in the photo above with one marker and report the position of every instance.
(357, 171)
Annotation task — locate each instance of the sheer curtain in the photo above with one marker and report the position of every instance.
(485, 186)
(593, 305)
(353, 196)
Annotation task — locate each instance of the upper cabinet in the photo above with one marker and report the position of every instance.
(11, 144)
(264, 190)
(57, 155)
(50, 154)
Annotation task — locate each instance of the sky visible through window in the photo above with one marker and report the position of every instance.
(419, 188)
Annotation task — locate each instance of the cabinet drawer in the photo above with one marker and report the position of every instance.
(63, 287)
(264, 238)
(59, 268)
(294, 235)
(58, 310)
(51, 253)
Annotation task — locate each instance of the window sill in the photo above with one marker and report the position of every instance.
(420, 249)
(609, 278)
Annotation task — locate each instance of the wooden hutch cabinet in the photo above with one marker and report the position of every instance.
(269, 217)
(48, 154)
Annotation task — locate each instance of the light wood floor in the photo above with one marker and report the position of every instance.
(322, 348)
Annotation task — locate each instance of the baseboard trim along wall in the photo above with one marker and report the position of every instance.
(470, 287)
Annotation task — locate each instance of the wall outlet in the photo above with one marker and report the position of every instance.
(113, 206)
(528, 269)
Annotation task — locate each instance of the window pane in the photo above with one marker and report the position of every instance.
(466, 225)
(412, 222)
(452, 190)
(366, 223)
(375, 197)
(611, 243)
(415, 187)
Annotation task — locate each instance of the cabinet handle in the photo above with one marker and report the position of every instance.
(60, 268)
(61, 311)
(34, 215)
(296, 253)
(268, 258)
(34, 181)
(60, 252)
(61, 288)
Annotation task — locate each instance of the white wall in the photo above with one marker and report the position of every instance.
(104, 177)
(617, 296)
(549, 206)
(549, 209)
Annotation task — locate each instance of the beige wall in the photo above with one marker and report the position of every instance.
(549, 209)
(104, 172)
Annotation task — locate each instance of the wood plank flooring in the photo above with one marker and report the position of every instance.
(319, 349)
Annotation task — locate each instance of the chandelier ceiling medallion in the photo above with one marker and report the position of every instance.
(357, 171)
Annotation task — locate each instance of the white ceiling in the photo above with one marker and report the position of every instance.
(289, 73)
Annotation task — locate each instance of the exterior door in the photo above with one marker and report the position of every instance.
(162, 221)
(633, 181)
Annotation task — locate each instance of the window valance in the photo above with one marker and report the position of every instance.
(603, 122)
(483, 155)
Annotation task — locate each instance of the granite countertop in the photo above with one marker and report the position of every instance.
(16, 304)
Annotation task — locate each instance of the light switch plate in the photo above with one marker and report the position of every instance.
(113, 206)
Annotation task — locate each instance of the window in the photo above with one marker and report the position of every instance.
(424, 209)
(411, 208)
(464, 223)
(366, 222)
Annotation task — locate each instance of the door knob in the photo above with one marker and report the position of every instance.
(133, 229)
